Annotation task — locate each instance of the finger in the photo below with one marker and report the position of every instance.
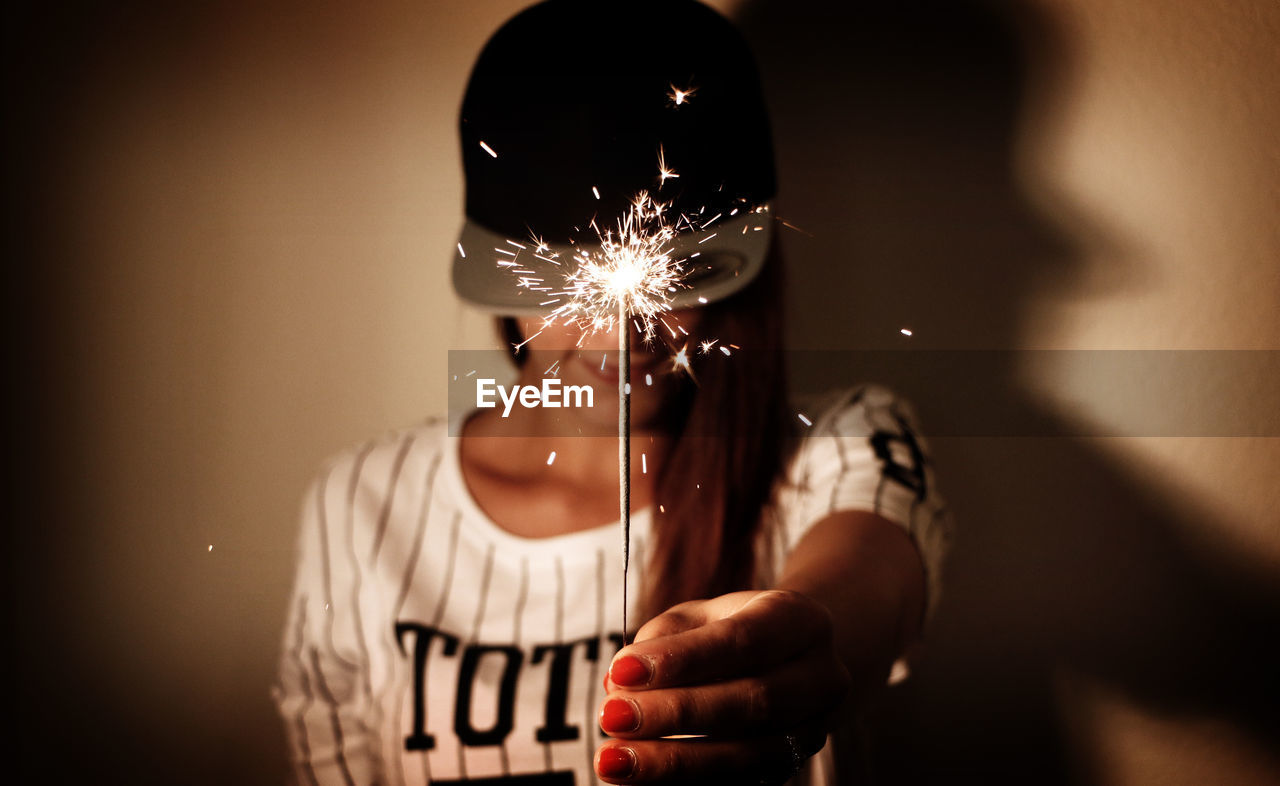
(682, 617)
(714, 644)
(797, 691)
(635, 670)
(766, 759)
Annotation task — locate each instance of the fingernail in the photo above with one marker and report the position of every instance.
(629, 670)
(619, 715)
(616, 762)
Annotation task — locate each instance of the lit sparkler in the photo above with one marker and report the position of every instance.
(630, 278)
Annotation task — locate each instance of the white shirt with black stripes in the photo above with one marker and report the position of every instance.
(425, 644)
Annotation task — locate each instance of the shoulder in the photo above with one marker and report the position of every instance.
(857, 412)
(392, 453)
(859, 439)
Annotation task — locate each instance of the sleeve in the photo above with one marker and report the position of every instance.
(323, 690)
(864, 453)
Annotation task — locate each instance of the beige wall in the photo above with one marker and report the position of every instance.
(1161, 127)
(245, 218)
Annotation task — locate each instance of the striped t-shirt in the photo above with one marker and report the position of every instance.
(424, 643)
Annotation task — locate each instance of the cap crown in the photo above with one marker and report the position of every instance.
(578, 98)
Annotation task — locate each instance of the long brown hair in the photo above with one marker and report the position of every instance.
(732, 439)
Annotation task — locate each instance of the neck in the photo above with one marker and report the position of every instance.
(587, 460)
(584, 441)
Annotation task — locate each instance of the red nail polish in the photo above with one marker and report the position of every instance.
(616, 762)
(619, 715)
(630, 671)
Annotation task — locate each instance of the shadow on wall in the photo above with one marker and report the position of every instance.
(894, 124)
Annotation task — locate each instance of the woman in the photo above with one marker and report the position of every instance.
(457, 614)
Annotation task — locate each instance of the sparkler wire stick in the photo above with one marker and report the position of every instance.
(624, 453)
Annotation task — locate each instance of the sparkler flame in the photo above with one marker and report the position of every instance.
(634, 272)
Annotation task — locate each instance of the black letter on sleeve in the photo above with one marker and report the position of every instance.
(912, 477)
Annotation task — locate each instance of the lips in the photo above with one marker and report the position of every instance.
(608, 371)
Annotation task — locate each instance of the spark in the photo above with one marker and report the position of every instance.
(680, 360)
(210, 547)
(551, 459)
(804, 419)
(680, 97)
(662, 509)
(789, 225)
(702, 300)
(644, 464)
(648, 380)
(633, 272)
(905, 331)
(664, 172)
(460, 251)
(469, 373)
(725, 350)
(488, 149)
(707, 345)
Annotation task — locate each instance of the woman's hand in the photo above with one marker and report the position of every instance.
(754, 675)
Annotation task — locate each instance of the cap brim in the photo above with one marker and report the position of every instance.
(491, 271)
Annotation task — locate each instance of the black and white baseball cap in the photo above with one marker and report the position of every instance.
(570, 109)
